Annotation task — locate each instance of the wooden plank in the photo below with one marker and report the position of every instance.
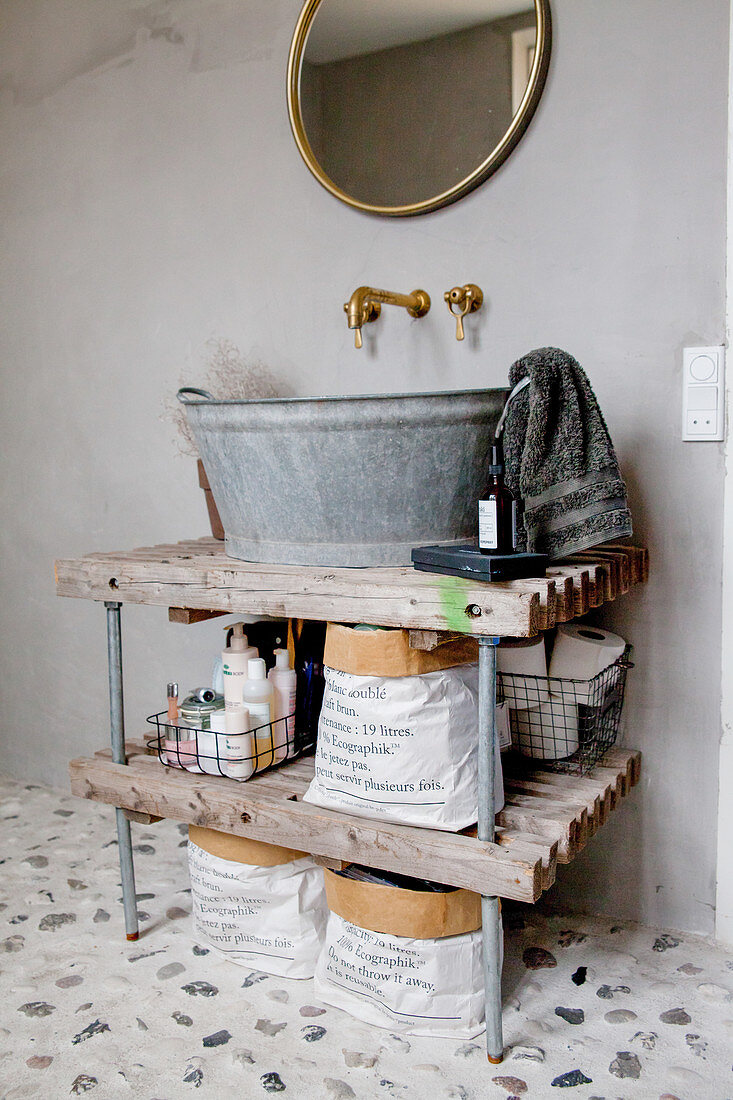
(628, 760)
(305, 766)
(428, 640)
(618, 562)
(190, 615)
(249, 809)
(546, 591)
(384, 596)
(292, 781)
(580, 579)
(141, 818)
(619, 569)
(635, 556)
(591, 788)
(564, 610)
(197, 577)
(599, 573)
(547, 851)
(283, 782)
(623, 775)
(574, 812)
(331, 864)
(624, 567)
(547, 818)
(635, 768)
(132, 748)
(616, 781)
(557, 827)
(567, 795)
(604, 571)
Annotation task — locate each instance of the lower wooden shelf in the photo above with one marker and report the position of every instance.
(547, 818)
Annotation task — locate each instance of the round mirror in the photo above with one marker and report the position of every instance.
(403, 106)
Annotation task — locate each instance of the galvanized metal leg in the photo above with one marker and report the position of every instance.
(117, 734)
(490, 913)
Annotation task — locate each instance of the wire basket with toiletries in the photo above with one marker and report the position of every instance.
(227, 742)
(562, 723)
(250, 719)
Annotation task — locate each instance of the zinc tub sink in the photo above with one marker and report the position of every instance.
(345, 480)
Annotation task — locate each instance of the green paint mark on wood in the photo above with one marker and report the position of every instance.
(454, 599)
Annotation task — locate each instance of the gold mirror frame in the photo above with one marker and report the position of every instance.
(495, 159)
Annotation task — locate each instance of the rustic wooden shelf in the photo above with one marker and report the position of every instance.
(547, 818)
(197, 576)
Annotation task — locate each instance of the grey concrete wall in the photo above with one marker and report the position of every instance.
(153, 201)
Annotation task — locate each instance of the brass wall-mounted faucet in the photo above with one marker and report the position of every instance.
(466, 299)
(364, 306)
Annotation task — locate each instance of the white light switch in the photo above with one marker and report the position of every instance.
(703, 414)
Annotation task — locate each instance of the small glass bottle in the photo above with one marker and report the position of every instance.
(497, 511)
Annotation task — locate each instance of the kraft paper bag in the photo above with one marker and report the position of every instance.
(401, 749)
(241, 849)
(270, 918)
(417, 914)
(413, 986)
(388, 652)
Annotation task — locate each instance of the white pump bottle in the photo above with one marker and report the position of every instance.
(234, 664)
(283, 679)
(259, 699)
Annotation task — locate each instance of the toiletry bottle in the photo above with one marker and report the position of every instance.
(284, 681)
(180, 740)
(172, 692)
(496, 512)
(212, 745)
(240, 761)
(203, 695)
(197, 714)
(309, 642)
(234, 664)
(171, 731)
(259, 699)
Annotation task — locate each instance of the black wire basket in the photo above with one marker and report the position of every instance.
(234, 756)
(562, 724)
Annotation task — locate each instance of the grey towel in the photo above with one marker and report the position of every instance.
(560, 459)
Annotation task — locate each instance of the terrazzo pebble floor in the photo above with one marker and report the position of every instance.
(609, 1011)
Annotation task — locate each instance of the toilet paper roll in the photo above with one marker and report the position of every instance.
(580, 653)
(520, 660)
(550, 731)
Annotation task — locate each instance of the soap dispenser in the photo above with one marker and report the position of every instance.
(234, 664)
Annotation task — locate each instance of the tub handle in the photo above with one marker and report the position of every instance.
(185, 392)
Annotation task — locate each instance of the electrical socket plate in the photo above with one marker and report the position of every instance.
(703, 394)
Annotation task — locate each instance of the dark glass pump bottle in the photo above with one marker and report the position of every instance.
(496, 511)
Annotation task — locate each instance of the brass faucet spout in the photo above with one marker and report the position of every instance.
(357, 307)
(364, 306)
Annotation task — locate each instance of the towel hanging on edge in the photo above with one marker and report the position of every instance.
(560, 459)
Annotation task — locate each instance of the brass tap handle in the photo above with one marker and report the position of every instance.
(466, 299)
(369, 312)
(460, 334)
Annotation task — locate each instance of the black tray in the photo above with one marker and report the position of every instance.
(464, 559)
